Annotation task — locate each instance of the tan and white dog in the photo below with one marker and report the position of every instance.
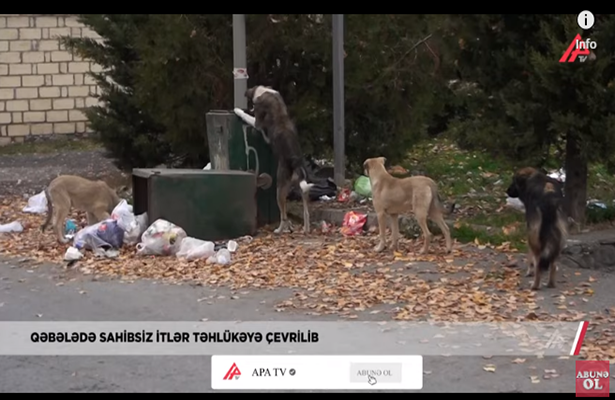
(394, 196)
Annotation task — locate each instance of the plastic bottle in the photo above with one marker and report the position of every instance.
(223, 257)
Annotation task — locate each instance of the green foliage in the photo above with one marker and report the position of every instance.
(178, 67)
(133, 137)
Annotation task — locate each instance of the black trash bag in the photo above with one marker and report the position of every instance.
(322, 186)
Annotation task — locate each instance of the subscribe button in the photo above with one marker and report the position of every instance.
(317, 372)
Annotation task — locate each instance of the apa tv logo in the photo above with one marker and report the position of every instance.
(233, 372)
(579, 49)
(592, 379)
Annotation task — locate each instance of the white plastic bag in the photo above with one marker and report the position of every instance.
(193, 249)
(126, 220)
(13, 227)
(142, 221)
(37, 204)
(161, 238)
(515, 203)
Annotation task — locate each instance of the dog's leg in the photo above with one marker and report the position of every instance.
(552, 270)
(61, 212)
(394, 220)
(305, 196)
(530, 264)
(421, 218)
(536, 284)
(282, 193)
(248, 119)
(382, 226)
(438, 218)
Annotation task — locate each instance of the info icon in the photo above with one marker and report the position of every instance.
(586, 20)
(592, 378)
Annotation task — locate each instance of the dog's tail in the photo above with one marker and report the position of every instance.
(552, 233)
(305, 179)
(49, 210)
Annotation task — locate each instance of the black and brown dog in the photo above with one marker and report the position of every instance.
(272, 120)
(542, 197)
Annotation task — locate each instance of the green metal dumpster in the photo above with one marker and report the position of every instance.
(236, 146)
(208, 204)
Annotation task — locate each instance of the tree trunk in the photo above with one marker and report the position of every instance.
(575, 186)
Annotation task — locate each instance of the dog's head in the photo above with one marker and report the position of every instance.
(519, 182)
(370, 163)
(255, 92)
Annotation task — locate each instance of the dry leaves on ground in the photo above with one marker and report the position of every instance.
(332, 275)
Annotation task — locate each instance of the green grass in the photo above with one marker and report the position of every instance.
(478, 182)
(50, 146)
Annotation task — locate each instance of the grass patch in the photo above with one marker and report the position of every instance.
(60, 145)
(477, 183)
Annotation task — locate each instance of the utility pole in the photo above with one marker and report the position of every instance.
(338, 100)
(240, 66)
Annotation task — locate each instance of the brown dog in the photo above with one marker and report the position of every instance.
(394, 196)
(96, 198)
(546, 227)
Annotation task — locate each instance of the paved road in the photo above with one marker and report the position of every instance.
(38, 294)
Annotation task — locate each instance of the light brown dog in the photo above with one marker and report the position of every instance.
(394, 196)
(96, 198)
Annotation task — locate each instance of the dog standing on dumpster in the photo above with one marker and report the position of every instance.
(272, 120)
(546, 226)
(394, 196)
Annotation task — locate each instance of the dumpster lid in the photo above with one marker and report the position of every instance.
(149, 172)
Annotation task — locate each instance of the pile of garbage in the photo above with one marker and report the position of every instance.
(124, 228)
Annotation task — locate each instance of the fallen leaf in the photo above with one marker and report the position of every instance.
(535, 379)
(518, 361)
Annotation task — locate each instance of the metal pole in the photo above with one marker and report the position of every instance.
(338, 100)
(240, 71)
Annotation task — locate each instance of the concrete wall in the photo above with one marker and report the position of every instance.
(43, 88)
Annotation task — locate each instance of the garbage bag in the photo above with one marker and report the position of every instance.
(14, 226)
(126, 220)
(106, 235)
(353, 223)
(161, 238)
(193, 249)
(37, 204)
(363, 186)
(322, 186)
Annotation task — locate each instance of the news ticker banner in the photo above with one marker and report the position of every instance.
(292, 372)
(98, 338)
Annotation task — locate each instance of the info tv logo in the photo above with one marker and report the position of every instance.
(592, 379)
(579, 49)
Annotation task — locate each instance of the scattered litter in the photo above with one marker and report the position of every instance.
(560, 175)
(161, 238)
(515, 203)
(193, 249)
(127, 221)
(70, 229)
(353, 223)
(105, 253)
(222, 257)
(207, 167)
(231, 246)
(326, 198)
(12, 227)
(593, 203)
(37, 204)
(72, 254)
(325, 227)
(343, 196)
(363, 186)
(105, 234)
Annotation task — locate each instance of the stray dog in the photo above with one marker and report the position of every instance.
(393, 196)
(96, 198)
(272, 120)
(546, 227)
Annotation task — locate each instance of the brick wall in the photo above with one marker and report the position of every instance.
(43, 88)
